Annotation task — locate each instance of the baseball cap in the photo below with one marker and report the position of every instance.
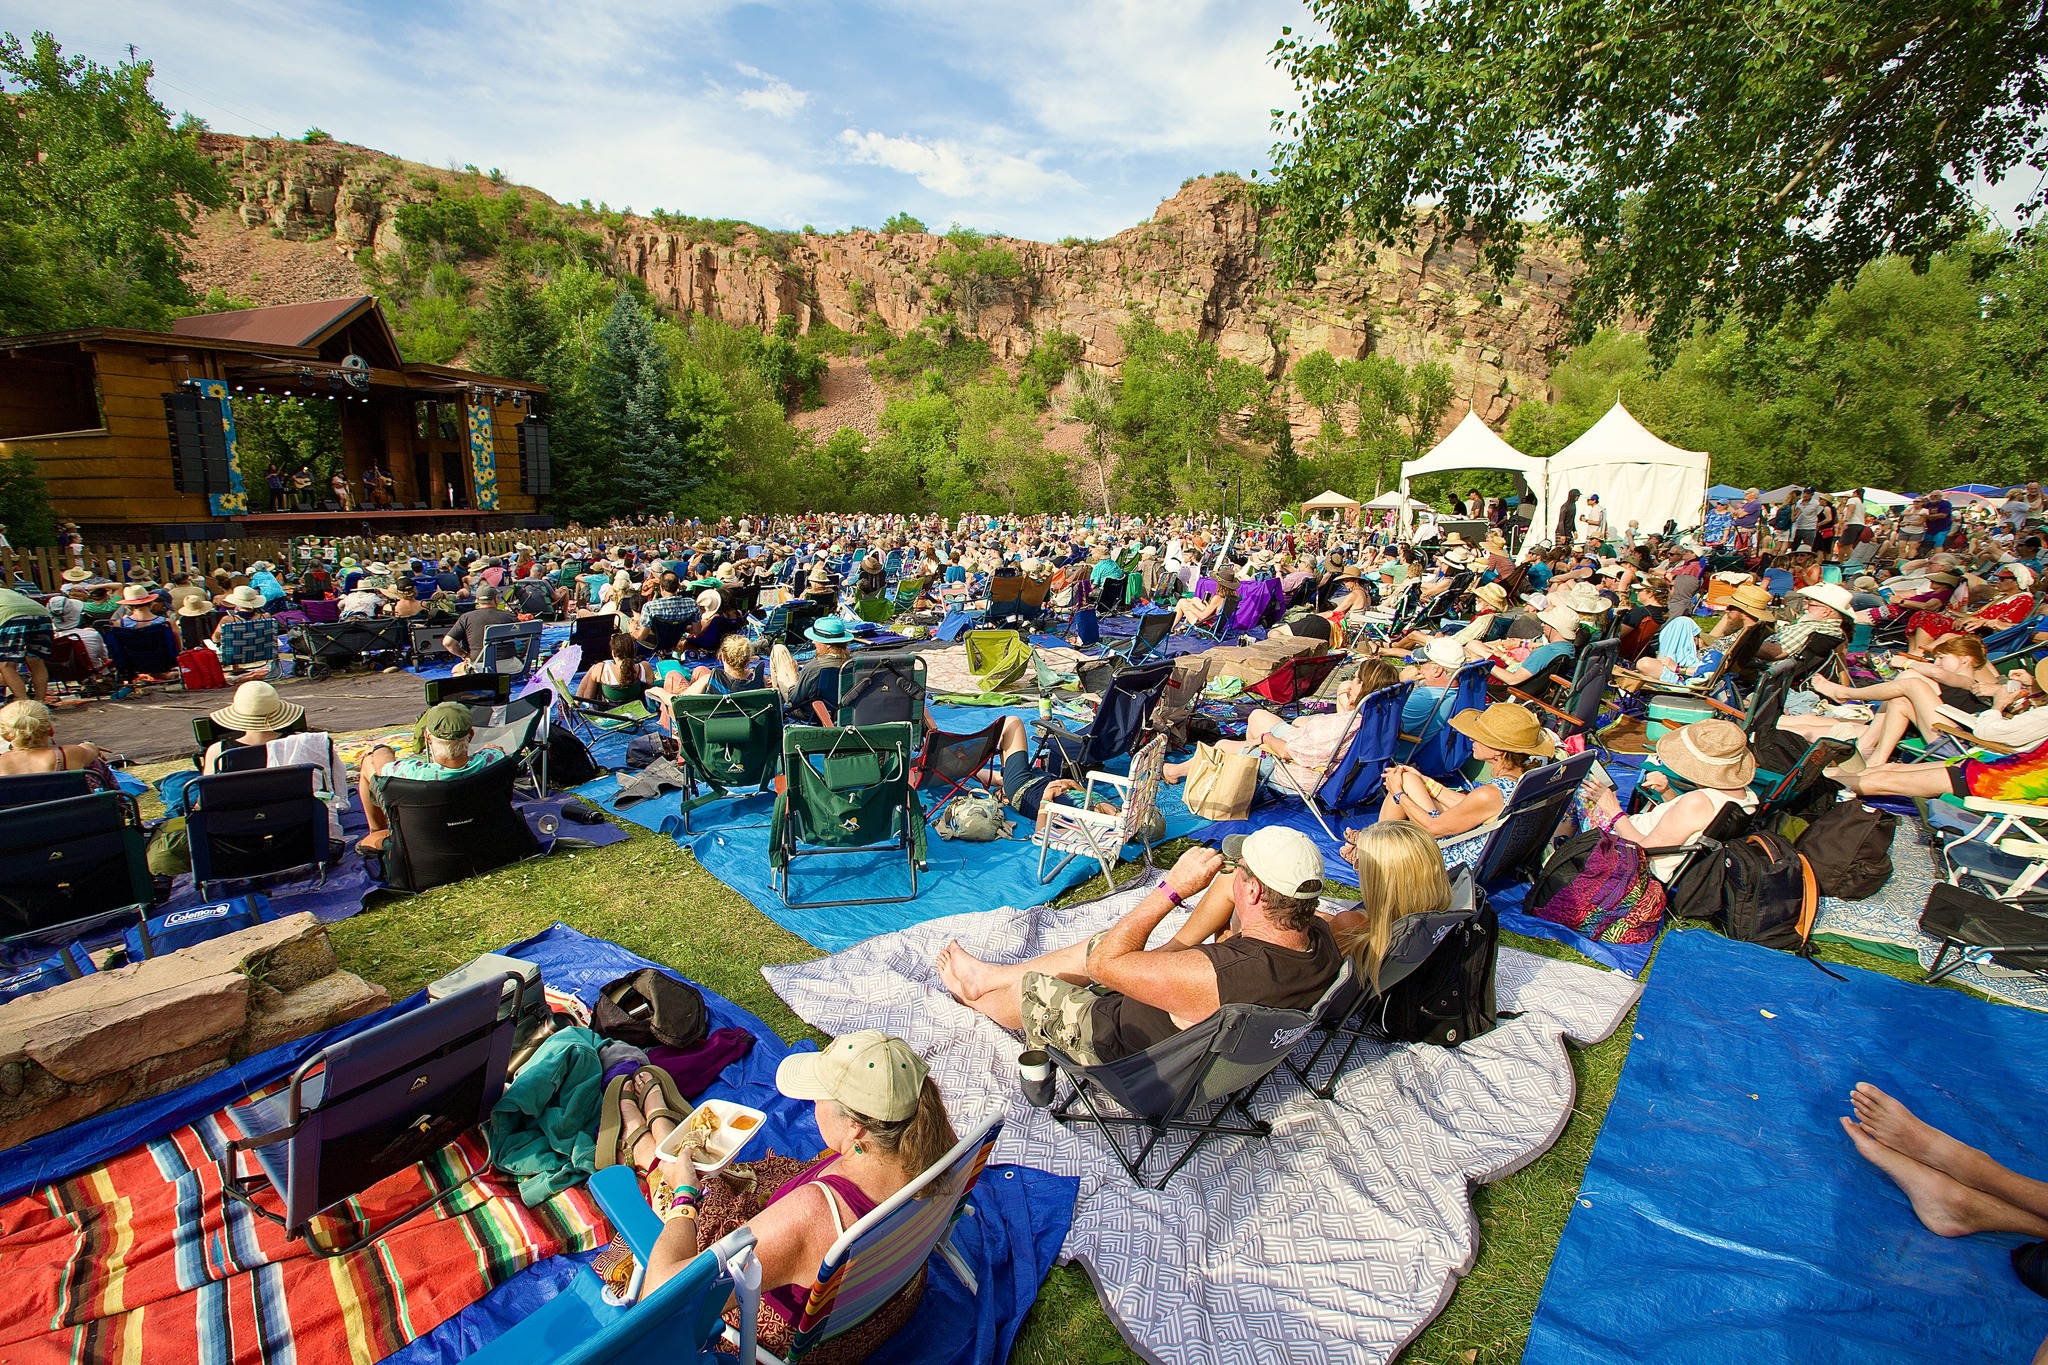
(869, 1073)
(1444, 654)
(447, 720)
(1284, 859)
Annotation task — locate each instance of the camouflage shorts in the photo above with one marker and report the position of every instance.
(1059, 1014)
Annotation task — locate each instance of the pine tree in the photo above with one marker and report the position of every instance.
(638, 460)
(516, 335)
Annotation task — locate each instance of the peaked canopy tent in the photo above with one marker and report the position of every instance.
(1395, 501)
(1473, 445)
(1639, 476)
(1331, 501)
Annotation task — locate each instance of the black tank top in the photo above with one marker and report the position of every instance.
(1249, 971)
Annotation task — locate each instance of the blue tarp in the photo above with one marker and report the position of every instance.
(1725, 1215)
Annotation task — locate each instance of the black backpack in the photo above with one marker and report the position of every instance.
(569, 762)
(1849, 847)
(1756, 888)
(650, 1008)
(1449, 997)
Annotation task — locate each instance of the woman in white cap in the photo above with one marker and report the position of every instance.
(884, 1123)
(256, 716)
(1713, 762)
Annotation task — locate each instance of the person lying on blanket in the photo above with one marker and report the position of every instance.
(1254, 937)
(1026, 789)
(1955, 1189)
(1306, 744)
(885, 1123)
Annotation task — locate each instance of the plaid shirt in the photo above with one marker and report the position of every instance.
(676, 607)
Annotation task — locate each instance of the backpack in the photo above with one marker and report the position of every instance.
(1756, 888)
(1848, 846)
(642, 750)
(569, 762)
(1599, 885)
(975, 818)
(1450, 996)
(650, 1008)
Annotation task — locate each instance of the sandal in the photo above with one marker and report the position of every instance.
(611, 1117)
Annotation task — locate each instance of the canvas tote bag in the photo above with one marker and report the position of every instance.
(1221, 783)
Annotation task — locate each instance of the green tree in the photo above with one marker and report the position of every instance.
(1746, 156)
(97, 193)
(1394, 414)
(633, 455)
(1181, 409)
(25, 502)
(516, 333)
(2008, 363)
(286, 434)
(901, 222)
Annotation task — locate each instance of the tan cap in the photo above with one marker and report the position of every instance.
(1444, 654)
(1284, 859)
(869, 1073)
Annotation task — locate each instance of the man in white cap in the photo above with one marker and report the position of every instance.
(1433, 676)
(1560, 644)
(1253, 937)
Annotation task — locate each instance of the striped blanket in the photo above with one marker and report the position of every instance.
(136, 1261)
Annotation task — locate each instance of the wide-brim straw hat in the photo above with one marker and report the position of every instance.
(1505, 726)
(246, 597)
(76, 575)
(1709, 753)
(1493, 594)
(135, 592)
(822, 577)
(195, 606)
(1751, 598)
(1585, 600)
(257, 707)
(1560, 618)
(1833, 596)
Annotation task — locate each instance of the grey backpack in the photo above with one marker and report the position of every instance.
(976, 818)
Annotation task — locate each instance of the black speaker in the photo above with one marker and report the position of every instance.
(536, 467)
(199, 442)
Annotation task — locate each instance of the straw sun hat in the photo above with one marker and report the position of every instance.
(1709, 753)
(1752, 599)
(257, 707)
(246, 598)
(1505, 726)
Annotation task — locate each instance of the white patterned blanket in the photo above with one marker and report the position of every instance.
(1338, 1238)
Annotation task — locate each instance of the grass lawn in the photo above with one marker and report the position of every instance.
(651, 896)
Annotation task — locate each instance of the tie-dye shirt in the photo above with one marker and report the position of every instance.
(2019, 777)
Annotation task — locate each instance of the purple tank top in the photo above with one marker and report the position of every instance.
(788, 1301)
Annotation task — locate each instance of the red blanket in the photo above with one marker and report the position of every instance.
(135, 1261)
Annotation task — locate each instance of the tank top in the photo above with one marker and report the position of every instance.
(1249, 971)
(788, 1301)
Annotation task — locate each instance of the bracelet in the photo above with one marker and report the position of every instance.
(1171, 894)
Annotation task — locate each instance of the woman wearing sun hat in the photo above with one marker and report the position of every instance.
(884, 1123)
(1713, 765)
(1504, 735)
(256, 716)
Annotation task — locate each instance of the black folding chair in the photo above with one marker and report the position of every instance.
(475, 689)
(364, 1109)
(1983, 932)
(1220, 1061)
(429, 641)
(64, 864)
(1520, 839)
(1153, 628)
(246, 825)
(877, 689)
(205, 733)
(951, 762)
(32, 789)
(1580, 713)
(1119, 723)
(136, 650)
(593, 635)
(446, 831)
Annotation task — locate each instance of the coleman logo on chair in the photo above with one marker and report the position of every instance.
(197, 914)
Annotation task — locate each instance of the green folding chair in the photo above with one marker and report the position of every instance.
(846, 790)
(906, 595)
(875, 610)
(996, 658)
(726, 742)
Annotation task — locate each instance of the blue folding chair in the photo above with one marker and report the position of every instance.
(1439, 751)
(152, 649)
(1357, 773)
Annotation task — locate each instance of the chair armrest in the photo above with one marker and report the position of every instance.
(1970, 739)
(1545, 706)
(2018, 810)
(617, 1192)
(1487, 828)
(1052, 730)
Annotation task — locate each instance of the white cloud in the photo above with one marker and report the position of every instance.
(958, 172)
(773, 96)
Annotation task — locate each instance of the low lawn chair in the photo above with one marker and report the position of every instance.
(66, 863)
(845, 790)
(429, 641)
(593, 635)
(878, 689)
(2003, 847)
(247, 644)
(1078, 830)
(448, 831)
(1217, 626)
(951, 762)
(1357, 773)
(997, 658)
(33, 789)
(152, 650)
(246, 825)
(1579, 716)
(1520, 838)
(366, 1108)
(1219, 1061)
(1153, 628)
(1439, 751)
(1296, 679)
(1005, 599)
(875, 611)
(590, 715)
(726, 742)
(1983, 932)
(513, 648)
(905, 599)
(1119, 722)
(474, 689)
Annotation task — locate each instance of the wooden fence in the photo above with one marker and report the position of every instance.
(45, 567)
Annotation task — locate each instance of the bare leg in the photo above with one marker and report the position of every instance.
(1884, 735)
(1258, 724)
(38, 679)
(992, 990)
(17, 687)
(1927, 780)
(1898, 1128)
(374, 763)
(1944, 1204)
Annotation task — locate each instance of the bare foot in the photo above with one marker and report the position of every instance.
(1827, 687)
(1942, 1204)
(961, 973)
(1898, 1128)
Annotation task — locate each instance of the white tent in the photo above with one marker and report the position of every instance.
(1473, 445)
(1392, 501)
(1639, 476)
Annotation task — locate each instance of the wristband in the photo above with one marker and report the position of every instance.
(1171, 894)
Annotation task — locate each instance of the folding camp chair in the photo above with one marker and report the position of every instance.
(593, 635)
(726, 742)
(904, 601)
(152, 650)
(245, 825)
(1439, 751)
(1153, 628)
(2001, 846)
(1360, 1013)
(447, 831)
(1391, 618)
(590, 715)
(1221, 1061)
(1217, 626)
(32, 789)
(1983, 932)
(845, 790)
(1120, 719)
(429, 641)
(1357, 771)
(66, 863)
(954, 761)
(787, 621)
(1720, 686)
(1578, 718)
(1005, 599)
(1520, 837)
(877, 689)
(71, 665)
(247, 643)
(1078, 830)
(996, 658)
(513, 648)
(320, 610)
(474, 689)
(1296, 678)
(364, 1109)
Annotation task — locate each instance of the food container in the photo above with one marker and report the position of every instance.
(737, 1126)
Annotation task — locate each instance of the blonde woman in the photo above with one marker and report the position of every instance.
(1399, 873)
(31, 734)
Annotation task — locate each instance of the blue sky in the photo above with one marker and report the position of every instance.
(1039, 118)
